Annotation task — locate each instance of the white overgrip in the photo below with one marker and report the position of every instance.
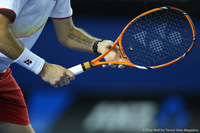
(78, 69)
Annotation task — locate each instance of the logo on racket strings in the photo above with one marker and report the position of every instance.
(161, 36)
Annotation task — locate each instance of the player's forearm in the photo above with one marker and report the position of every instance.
(72, 37)
(13, 49)
(9, 45)
(80, 40)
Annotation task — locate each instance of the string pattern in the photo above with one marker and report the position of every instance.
(157, 38)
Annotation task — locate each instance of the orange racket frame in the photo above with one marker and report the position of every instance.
(97, 61)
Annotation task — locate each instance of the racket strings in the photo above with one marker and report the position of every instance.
(157, 38)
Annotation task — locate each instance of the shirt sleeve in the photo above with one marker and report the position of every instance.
(12, 5)
(62, 9)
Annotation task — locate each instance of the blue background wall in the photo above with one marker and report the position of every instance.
(182, 75)
(105, 19)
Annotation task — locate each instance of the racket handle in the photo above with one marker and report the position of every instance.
(78, 69)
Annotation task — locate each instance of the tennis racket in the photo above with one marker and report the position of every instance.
(154, 39)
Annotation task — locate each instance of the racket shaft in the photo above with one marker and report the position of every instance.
(78, 69)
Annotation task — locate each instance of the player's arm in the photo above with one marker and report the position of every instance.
(10, 46)
(77, 39)
(73, 37)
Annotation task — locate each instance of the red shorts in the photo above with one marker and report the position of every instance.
(12, 104)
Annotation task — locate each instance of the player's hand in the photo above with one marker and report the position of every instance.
(113, 55)
(56, 75)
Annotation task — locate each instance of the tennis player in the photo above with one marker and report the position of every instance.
(21, 23)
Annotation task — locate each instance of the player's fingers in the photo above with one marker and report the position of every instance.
(55, 85)
(109, 44)
(60, 84)
(121, 66)
(104, 65)
(112, 65)
(65, 80)
(70, 75)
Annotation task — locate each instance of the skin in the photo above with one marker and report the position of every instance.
(69, 36)
(6, 127)
(77, 39)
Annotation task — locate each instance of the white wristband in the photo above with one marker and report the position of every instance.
(30, 61)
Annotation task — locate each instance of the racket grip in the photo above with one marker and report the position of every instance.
(78, 69)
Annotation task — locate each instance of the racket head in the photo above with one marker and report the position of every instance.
(157, 38)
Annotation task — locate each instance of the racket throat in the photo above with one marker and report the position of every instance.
(87, 65)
